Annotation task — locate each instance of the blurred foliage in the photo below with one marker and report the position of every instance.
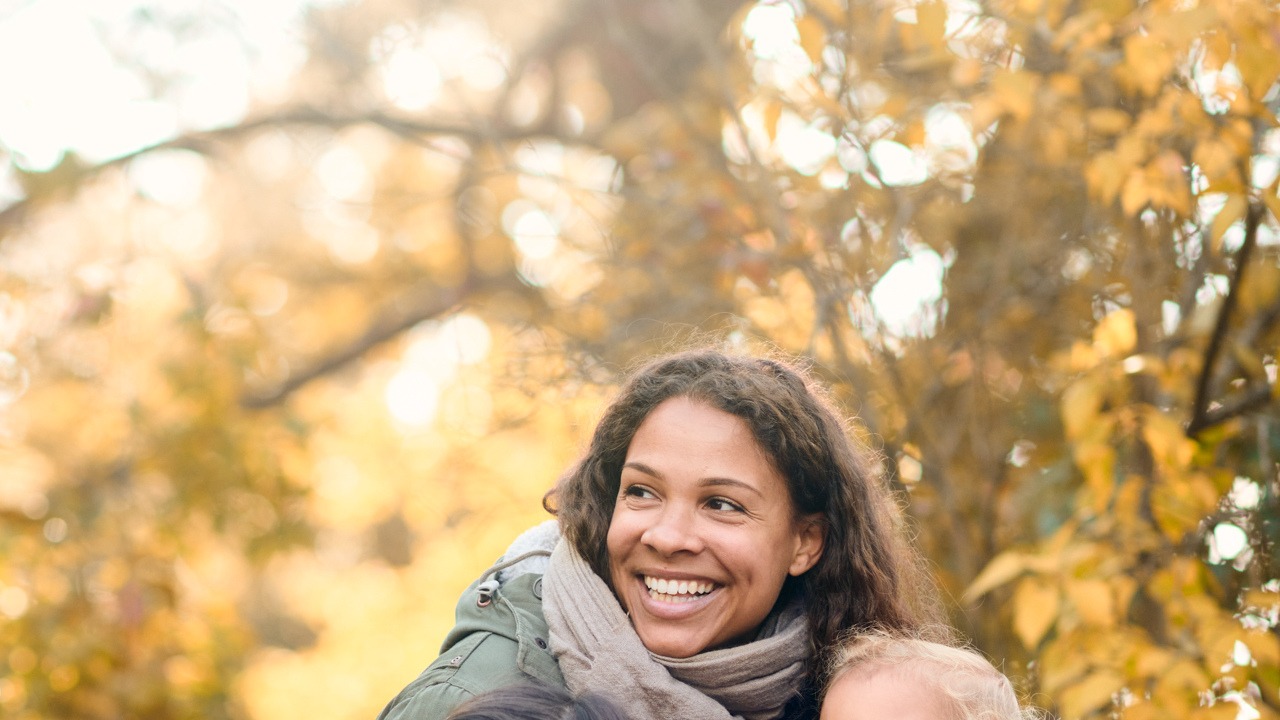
(272, 393)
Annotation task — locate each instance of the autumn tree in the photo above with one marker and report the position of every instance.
(274, 390)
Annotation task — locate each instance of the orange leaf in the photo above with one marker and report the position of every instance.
(1093, 601)
(1092, 693)
(1116, 335)
(1232, 211)
(1035, 610)
(1135, 195)
(1003, 568)
(813, 37)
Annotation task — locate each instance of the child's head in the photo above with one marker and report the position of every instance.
(535, 702)
(878, 675)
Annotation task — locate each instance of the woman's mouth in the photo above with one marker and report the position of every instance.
(676, 591)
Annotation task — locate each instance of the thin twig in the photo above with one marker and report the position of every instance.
(392, 321)
(1199, 410)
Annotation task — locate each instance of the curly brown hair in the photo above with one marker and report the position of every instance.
(868, 575)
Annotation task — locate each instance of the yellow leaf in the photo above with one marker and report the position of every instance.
(1092, 693)
(966, 72)
(1218, 162)
(1152, 661)
(1061, 663)
(1169, 444)
(1082, 357)
(1035, 610)
(931, 19)
(1181, 502)
(813, 37)
(1232, 211)
(1183, 27)
(1135, 194)
(1129, 497)
(1147, 63)
(1272, 202)
(1055, 145)
(1260, 288)
(1264, 647)
(1105, 175)
(1123, 588)
(1093, 601)
(1259, 66)
(1016, 92)
(771, 114)
(986, 109)
(1065, 86)
(1144, 711)
(1181, 685)
(831, 9)
(1117, 334)
(1004, 567)
(1097, 461)
(1081, 402)
(1168, 184)
(1107, 121)
(913, 134)
(1217, 711)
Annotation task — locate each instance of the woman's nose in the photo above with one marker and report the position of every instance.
(675, 531)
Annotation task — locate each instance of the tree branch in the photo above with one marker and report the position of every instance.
(1200, 418)
(202, 141)
(1253, 398)
(423, 304)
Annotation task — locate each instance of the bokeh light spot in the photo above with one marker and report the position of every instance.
(14, 379)
(412, 396)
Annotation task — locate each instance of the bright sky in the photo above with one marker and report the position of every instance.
(71, 91)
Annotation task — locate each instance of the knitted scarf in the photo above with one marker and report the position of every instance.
(599, 652)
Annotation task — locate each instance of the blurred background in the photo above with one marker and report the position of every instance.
(304, 305)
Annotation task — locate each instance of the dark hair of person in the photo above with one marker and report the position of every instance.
(536, 702)
(868, 575)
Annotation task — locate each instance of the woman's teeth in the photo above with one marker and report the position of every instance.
(676, 590)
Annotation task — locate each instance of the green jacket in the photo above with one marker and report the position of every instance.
(500, 639)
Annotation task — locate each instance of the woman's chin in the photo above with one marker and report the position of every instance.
(678, 629)
(672, 645)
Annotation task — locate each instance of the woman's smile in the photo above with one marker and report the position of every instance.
(703, 534)
(662, 589)
(673, 603)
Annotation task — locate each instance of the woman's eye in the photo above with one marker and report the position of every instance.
(637, 491)
(723, 505)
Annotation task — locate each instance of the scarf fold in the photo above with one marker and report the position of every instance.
(599, 651)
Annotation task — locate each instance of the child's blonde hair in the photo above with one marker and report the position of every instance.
(973, 688)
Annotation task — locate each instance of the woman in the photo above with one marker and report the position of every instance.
(720, 535)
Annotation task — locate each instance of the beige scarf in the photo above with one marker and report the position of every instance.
(599, 652)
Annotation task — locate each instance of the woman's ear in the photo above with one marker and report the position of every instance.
(811, 534)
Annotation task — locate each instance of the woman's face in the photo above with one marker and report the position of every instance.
(703, 533)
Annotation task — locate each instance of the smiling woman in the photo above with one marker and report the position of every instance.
(721, 534)
(703, 534)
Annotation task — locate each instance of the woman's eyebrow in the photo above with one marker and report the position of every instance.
(641, 467)
(729, 482)
(704, 482)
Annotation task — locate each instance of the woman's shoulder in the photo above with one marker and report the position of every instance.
(499, 639)
(530, 551)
